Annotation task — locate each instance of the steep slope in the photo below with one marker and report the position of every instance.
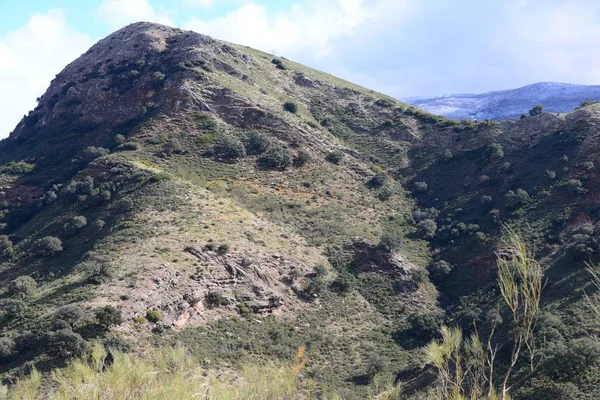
(134, 165)
(172, 188)
(505, 104)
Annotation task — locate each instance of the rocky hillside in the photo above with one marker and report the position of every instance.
(170, 188)
(505, 104)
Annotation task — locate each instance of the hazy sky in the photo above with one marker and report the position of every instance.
(399, 47)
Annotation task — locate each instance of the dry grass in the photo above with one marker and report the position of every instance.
(169, 373)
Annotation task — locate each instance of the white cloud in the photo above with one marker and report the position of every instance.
(557, 42)
(118, 13)
(202, 3)
(307, 29)
(210, 3)
(30, 57)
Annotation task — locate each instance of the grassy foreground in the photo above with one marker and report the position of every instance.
(167, 373)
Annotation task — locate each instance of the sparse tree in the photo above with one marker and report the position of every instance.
(71, 314)
(257, 143)
(290, 107)
(335, 157)
(229, 148)
(67, 344)
(276, 158)
(108, 316)
(47, 246)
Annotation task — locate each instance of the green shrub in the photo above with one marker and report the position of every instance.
(425, 327)
(128, 146)
(575, 186)
(118, 344)
(290, 107)
(109, 315)
(428, 227)
(482, 237)
(17, 168)
(551, 174)
(119, 139)
(22, 287)
(229, 148)
(7, 347)
(244, 310)
(320, 270)
(210, 246)
(97, 268)
(486, 199)
(13, 308)
(378, 180)
(205, 122)
(582, 242)
(496, 150)
(335, 157)
(47, 246)
(384, 194)
(421, 214)
(99, 224)
(536, 110)
(257, 143)
(276, 158)
(390, 242)
(6, 247)
(173, 146)
(516, 199)
(505, 167)
(384, 103)
(301, 159)
(75, 224)
(439, 270)
(91, 153)
(420, 187)
(562, 360)
(153, 316)
(223, 249)
(216, 299)
(71, 314)
(344, 282)
(314, 287)
(158, 76)
(67, 344)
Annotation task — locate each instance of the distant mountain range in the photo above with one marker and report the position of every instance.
(505, 104)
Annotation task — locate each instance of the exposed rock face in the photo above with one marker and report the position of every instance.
(254, 280)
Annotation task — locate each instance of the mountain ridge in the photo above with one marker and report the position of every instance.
(510, 103)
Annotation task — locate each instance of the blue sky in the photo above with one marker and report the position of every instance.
(400, 47)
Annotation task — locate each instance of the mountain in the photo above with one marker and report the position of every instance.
(184, 216)
(506, 104)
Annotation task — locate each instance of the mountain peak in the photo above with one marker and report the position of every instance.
(511, 103)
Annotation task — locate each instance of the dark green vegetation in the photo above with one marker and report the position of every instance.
(207, 194)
